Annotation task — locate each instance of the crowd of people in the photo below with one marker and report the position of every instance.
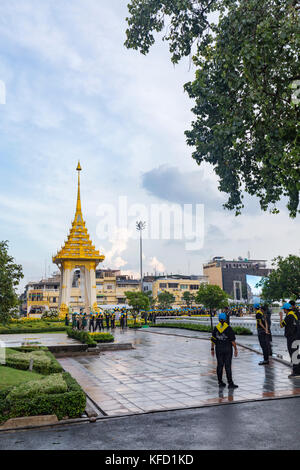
(223, 339)
(94, 322)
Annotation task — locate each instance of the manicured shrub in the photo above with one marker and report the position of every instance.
(102, 337)
(70, 403)
(50, 384)
(43, 361)
(238, 330)
(136, 325)
(82, 336)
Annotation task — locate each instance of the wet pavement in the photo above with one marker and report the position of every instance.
(279, 342)
(169, 371)
(44, 339)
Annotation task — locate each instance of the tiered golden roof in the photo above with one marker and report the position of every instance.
(79, 245)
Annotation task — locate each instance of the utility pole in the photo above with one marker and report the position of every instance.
(140, 226)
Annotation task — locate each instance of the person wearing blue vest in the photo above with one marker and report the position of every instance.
(223, 339)
(291, 325)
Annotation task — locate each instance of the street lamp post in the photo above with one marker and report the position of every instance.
(140, 226)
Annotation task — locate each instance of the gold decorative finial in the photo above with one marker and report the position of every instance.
(78, 205)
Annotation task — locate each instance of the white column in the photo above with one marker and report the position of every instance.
(82, 284)
(87, 290)
(93, 287)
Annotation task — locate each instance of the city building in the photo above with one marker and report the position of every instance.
(175, 284)
(111, 285)
(231, 275)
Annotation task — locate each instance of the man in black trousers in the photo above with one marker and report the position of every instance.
(223, 338)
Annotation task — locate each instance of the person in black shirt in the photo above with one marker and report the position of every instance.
(263, 334)
(227, 311)
(291, 325)
(267, 313)
(223, 339)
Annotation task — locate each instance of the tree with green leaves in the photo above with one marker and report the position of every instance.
(165, 300)
(10, 276)
(188, 298)
(138, 300)
(152, 300)
(246, 108)
(284, 282)
(211, 297)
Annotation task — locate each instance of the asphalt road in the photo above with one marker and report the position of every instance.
(264, 425)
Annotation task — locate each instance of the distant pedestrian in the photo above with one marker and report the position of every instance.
(223, 339)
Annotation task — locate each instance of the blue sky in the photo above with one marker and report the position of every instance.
(74, 92)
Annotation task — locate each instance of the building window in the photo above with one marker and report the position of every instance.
(194, 287)
(173, 285)
(163, 285)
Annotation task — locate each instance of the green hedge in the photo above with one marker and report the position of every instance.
(82, 336)
(43, 361)
(137, 325)
(32, 326)
(102, 337)
(238, 330)
(71, 403)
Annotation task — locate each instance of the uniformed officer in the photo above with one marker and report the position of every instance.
(122, 320)
(92, 322)
(84, 322)
(113, 320)
(74, 321)
(107, 317)
(223, 339)
(227, 311)
(101, 321)
(263, 334)
(291, 325)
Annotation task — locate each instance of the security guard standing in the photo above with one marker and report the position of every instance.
(107, 317)
(223, 338)
(113, 320)
(227, 311)
(291, 325)
(101, 318)
(263, 334)
(92, 322)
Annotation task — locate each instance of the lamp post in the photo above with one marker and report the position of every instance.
(140, 226)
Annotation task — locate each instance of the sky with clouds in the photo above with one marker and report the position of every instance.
(73, 92)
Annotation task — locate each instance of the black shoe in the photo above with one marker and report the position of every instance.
(222, 384)
(232, 385)
(294, 376)
(263, 363)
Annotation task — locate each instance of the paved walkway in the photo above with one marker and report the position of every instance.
(279, 342)
(44, 339)
(166, 372)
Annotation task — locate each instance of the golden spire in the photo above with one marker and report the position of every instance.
(78, 246)
(78, 206)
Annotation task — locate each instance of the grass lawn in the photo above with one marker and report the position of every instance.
(10, 376)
